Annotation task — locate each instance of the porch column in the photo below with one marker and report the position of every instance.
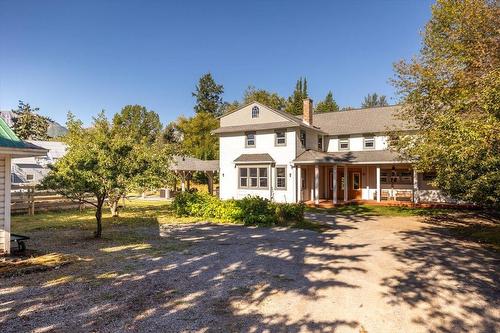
(346, 184)
(299, 183)
(378, 183)
(183, 181)
(316, 184)
(416, 198)
(334, 182)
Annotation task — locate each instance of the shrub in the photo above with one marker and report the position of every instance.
(287, 212)
(206, 206)
(251, 210)
(256, 210)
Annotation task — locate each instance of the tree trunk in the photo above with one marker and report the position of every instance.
(98, 217)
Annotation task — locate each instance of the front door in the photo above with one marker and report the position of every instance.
(355, 185)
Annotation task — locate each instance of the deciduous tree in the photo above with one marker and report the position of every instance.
(197, 137)
(451, 94)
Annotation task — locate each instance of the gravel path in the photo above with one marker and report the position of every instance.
(366, 274)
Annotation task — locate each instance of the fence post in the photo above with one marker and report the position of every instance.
(31, 200)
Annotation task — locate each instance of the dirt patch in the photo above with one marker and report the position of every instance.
(33, 262)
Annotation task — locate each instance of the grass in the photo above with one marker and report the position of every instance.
(391, 211)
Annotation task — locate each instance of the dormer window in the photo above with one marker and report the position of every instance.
(255, 112)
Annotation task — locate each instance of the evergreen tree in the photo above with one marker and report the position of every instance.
(374, 100)
(296, 100)
(208, 96)
(327, 105)
(28, 125)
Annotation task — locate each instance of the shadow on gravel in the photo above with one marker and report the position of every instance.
(438, 266)
(192, 277)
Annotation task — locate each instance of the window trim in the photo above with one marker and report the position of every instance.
(248, 178)
(276, 144)
(320, 142)
(254, 140)
(348, 143)
(368, 138)
(276, 178)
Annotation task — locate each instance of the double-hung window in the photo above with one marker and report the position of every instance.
(281, 178)
(280, 139)
(369, 142)
(303, 139)
(250, 139)
(344, 143)
(253, 177)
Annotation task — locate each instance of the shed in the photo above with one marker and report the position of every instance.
(10, 147)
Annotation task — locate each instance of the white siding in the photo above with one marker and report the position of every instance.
(356, 143)
(233, 145)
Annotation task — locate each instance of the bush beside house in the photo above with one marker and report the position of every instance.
(251, 210)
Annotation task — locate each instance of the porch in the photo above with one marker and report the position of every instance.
(327, 185)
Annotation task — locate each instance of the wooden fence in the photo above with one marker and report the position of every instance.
(28, 199)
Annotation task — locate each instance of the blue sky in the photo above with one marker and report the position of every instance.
(86, 56)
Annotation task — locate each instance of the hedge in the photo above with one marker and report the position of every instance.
(251, 210)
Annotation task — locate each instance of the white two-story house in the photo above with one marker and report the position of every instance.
(317, 157)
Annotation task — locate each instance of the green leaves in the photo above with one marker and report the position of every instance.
(374, 100)
(328, 105)
(451, 92)
(208, 96)
(28, 125)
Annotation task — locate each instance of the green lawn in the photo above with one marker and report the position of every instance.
(372, 210)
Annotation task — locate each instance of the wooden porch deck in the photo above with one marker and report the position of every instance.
(323, 203)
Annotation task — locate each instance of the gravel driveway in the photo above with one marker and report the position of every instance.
(366, 274)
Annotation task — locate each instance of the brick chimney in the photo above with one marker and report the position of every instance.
(307, 113)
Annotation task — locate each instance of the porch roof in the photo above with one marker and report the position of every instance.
(254, 158)
(188, 163)
(351, 157)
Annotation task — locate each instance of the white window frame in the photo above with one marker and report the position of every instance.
(255, 112)
(247, 139)
(280, 177)
(368, 139)
(276, 138)
(249, 178)
(342, 141)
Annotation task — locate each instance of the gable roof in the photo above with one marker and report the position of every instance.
(294, 121)
(11, 144)
(188, 163)
(359, 121)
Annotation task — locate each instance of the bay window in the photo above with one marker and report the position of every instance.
(253, 177)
